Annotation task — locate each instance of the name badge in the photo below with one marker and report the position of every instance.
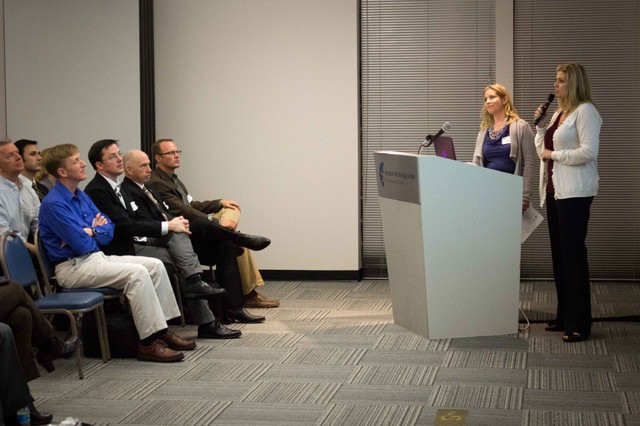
(189, 198)
(506, 140)
(166, 206)
(134, 206)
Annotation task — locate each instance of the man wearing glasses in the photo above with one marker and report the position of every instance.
(212, 220)
(166, 239)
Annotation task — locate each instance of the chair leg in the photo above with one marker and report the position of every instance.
(103, 336)
(74, 333)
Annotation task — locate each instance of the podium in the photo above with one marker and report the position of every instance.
(452, 239)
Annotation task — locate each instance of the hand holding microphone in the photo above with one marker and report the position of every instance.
(541, 113)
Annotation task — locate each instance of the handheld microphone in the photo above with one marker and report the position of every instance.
(446, 126)
(544, 108)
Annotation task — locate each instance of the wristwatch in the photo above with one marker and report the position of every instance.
(93, 232)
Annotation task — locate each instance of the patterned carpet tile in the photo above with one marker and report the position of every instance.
(370, 415)
(201, 391)
(371, 316)
(452, 396)
(360, 327)
(615, 288)
(628, 381)
(497, 377)
(569, 361)
(226, 371)
(398, 375)
(381, 286)
(292, 393)
(504, 343)
(122, 368)
(47, 387)
(627, 363)
(305, 373)
(411, 342)
(485, 359)
(245, 413)
(307, 304)
(100, 388)
(176, 413)
(325, 356)
(319, 294)
(338, 340)
(242, 354)
(613, 310)
(571, 380)
(281, 314)
(381, 394)
(571, 418)
(92, 411)
(331, 285)
(535, 399)
(623, 347)
(366, 305)
(403, 357)
(631, 402)
(265, 340)
(475, 417)
(276, 326)
(624, 332)
(555, 345)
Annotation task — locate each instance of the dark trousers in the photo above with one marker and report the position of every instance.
(30, 328)
(14, 391)
(215, 247)
(568, 220)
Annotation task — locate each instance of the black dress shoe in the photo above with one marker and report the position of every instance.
(240, 315)
(56, 349)
(217, 330)
(38, 418)
(252, 242)
(553, 325)
(201, 289)
(572, 337)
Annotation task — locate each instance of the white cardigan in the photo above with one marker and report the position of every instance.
(575, 156)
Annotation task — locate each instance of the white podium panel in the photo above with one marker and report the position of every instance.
(452, 239)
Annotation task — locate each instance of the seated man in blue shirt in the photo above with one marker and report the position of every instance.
(71, 228)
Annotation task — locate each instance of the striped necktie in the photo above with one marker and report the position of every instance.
(183, 194)
(155, 202)
(38, 192)
(119, 194)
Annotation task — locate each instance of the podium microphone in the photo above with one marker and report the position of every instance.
(544, 108)
(431, 139)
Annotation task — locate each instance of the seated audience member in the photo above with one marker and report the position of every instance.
(19, 204)
(210, 220)
(71, 230)
(14, 391)
(44, 179)
(31, 329)
(165, 238)
(32, 158)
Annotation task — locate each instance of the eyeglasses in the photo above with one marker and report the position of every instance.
(170, 153)
(113, 156)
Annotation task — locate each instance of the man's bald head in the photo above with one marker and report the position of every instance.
(137, 166)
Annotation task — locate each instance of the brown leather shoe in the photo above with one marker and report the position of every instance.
(158, 352)
(257, 300)
(176, 342)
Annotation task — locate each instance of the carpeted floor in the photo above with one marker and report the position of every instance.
(331, 355)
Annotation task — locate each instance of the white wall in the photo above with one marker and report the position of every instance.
(72, 71)
(262, 97)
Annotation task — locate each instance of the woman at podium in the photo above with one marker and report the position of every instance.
(568, 146)
(505, 141)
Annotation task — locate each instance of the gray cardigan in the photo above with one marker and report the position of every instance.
(523, 153)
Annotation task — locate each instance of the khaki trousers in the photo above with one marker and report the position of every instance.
(249, 272)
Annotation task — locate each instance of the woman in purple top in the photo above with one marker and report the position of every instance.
(505, 141)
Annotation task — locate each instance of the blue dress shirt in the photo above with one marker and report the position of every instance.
(63, 216)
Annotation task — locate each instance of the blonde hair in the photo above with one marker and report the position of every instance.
(508, 107)
(55, 157)
(578, 87)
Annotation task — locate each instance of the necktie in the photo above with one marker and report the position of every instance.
(38, 192)
(119, 194)
(183, 194)
(155, 202)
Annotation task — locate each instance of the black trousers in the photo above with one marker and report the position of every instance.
(14, 391)
(215, 246)
(568, 220)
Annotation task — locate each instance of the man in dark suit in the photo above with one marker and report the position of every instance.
(210, 220)
(148, 207)
(165, 239)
